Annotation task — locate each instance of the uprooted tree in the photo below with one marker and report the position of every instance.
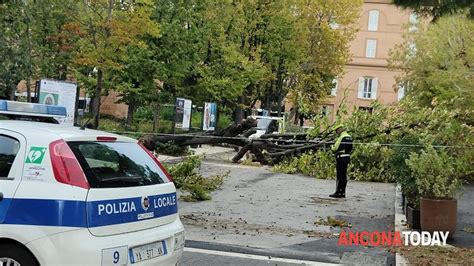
(268, 149)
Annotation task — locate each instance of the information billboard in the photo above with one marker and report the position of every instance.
(60, 93)
(183, 113)
(210, 116)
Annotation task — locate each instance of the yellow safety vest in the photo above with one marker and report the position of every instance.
(336, 145)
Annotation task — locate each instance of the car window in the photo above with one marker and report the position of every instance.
(116, 164)
(8, 150)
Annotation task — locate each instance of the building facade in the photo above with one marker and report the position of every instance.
(367, 78)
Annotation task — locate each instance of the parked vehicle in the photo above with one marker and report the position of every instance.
(74, 196)
(268, 125)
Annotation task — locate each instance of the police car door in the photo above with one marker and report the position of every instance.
(12, 155)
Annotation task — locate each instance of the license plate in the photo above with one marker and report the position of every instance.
(147, 252)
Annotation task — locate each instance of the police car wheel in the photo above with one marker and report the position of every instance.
(13, 255)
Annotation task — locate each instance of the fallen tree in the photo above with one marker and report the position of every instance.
(236, 134)
(268, 149)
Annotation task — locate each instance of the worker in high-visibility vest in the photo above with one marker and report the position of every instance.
(342, 149)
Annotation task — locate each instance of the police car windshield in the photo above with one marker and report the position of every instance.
(116, 164)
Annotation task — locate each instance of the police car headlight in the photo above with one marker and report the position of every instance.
(179, 240)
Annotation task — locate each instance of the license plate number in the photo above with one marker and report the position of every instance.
(147, 252)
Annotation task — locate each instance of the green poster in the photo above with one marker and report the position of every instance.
(48, 98)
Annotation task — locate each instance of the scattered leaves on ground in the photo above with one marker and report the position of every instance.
(333, 222)
(242, 227)
(248, 162)
(320, 200)
(469, 229)
(436, 255)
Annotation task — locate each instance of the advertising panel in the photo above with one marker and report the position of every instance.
(183, 113)
(210, 116)
(53, 92)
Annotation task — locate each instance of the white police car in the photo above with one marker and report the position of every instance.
(70, 196)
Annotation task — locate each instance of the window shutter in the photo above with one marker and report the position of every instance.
(375, 82)
(373, 20)
(360, 92)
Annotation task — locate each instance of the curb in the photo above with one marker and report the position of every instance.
(399, 223)
(319, 258)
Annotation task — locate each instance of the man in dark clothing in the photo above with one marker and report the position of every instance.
(342, 149)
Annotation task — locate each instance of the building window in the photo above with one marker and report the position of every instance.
(401, 92)
(83, 105)
(370, 48)
(411, 49)
(367, 88)
(326, 111)
(373, 20)
(335, 83)
(366, 108)
(413, 22)
(334, 25)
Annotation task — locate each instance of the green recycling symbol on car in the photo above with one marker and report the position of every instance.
(36, 155)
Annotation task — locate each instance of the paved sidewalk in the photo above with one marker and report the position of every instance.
(464, 236)
(271, 214)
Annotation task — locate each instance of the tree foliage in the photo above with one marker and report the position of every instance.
(236, 53)
(438, 64)
(13, 47)
(187, 178)
(35, 42)
(437, 9)
(387, 136)
(107, 29)
(328, 29)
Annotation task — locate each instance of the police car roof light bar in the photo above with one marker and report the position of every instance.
(31, 109)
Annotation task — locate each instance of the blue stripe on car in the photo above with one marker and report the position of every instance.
(69, 213)
(109, 212)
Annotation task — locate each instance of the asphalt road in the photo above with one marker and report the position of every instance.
(259, 214)
(204, 257)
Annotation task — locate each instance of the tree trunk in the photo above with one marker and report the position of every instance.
(29, 61)
(218, 116)
(173, 124)
(131, 110)
(279, 85)
(239, 112)
(28, 88)
(279, 105)
(156, 118)
(267, 104)
(96, 102)
(12, 91)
